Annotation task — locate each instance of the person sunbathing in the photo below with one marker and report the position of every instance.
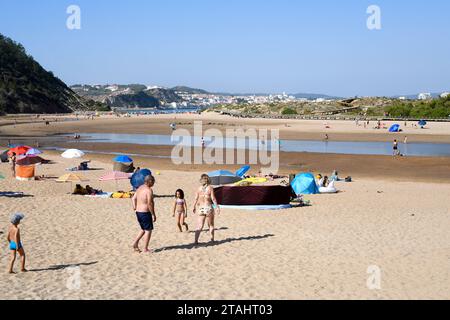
(92, 191)
(80, 191)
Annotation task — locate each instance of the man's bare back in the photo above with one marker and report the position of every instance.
(144, 199)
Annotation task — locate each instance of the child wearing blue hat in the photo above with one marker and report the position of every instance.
(15, 244)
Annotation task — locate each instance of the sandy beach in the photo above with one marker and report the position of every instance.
(394, 216)
(317, 252)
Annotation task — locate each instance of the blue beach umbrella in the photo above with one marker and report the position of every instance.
(138, 178)
(422, 123)
(123, 159)
(242, 171)
(395, 128)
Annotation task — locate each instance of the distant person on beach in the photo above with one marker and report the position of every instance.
(180, 210)
(406, 140)
(395, 148)
(327, 138)
(15, 243)
(13, 164)
(203, 206)
(144, 206)
(203, 142)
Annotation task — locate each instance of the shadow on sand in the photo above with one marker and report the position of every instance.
(10, 194)
(64, 266)
(214, 244)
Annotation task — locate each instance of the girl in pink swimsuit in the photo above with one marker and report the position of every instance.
(180, 210)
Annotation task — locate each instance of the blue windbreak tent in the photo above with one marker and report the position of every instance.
(222, 177)
(422, 123)
(242, 171)
(395, 128)
(138, 179)
(123, 159)
(305, 183)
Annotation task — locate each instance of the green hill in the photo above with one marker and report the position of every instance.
(26, 87)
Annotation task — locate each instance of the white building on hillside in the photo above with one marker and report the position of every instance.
(445, 94)
(424, 96)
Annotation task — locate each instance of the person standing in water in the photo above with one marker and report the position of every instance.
(203, 206)
(395, 147)
(144, 206)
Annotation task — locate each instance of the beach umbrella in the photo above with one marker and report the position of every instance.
(422, 123)
(394, 128)
(71, 177)
(73, 154)
(116, 176)
(123, 159)
(29, 161)
(242, 171)
(19, 150)
(138, 178)
(33, 152)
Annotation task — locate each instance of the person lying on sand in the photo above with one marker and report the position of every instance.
(15, 244)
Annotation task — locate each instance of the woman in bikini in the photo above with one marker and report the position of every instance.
(180, 210)
(204, 201)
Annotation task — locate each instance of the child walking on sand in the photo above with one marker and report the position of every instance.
(15, 244)
(180, 210)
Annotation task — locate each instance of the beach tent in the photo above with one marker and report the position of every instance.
(123, 167)
(422, 123)
(223, 177)
(138, 178)
(305, 183)
(395, 128)
(242, 171)
(25, 173)
(123, 159)
(72, 154)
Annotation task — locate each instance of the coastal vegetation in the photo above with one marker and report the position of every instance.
(26, 87)
(359, 107)
(433, 109)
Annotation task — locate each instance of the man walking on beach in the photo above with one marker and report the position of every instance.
(144, 206)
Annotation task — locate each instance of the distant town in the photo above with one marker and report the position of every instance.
(140, 96)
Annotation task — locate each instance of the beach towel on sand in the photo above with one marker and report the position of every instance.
(122, 195)
(104, 195)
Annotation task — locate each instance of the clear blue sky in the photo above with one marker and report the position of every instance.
(241, 45)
